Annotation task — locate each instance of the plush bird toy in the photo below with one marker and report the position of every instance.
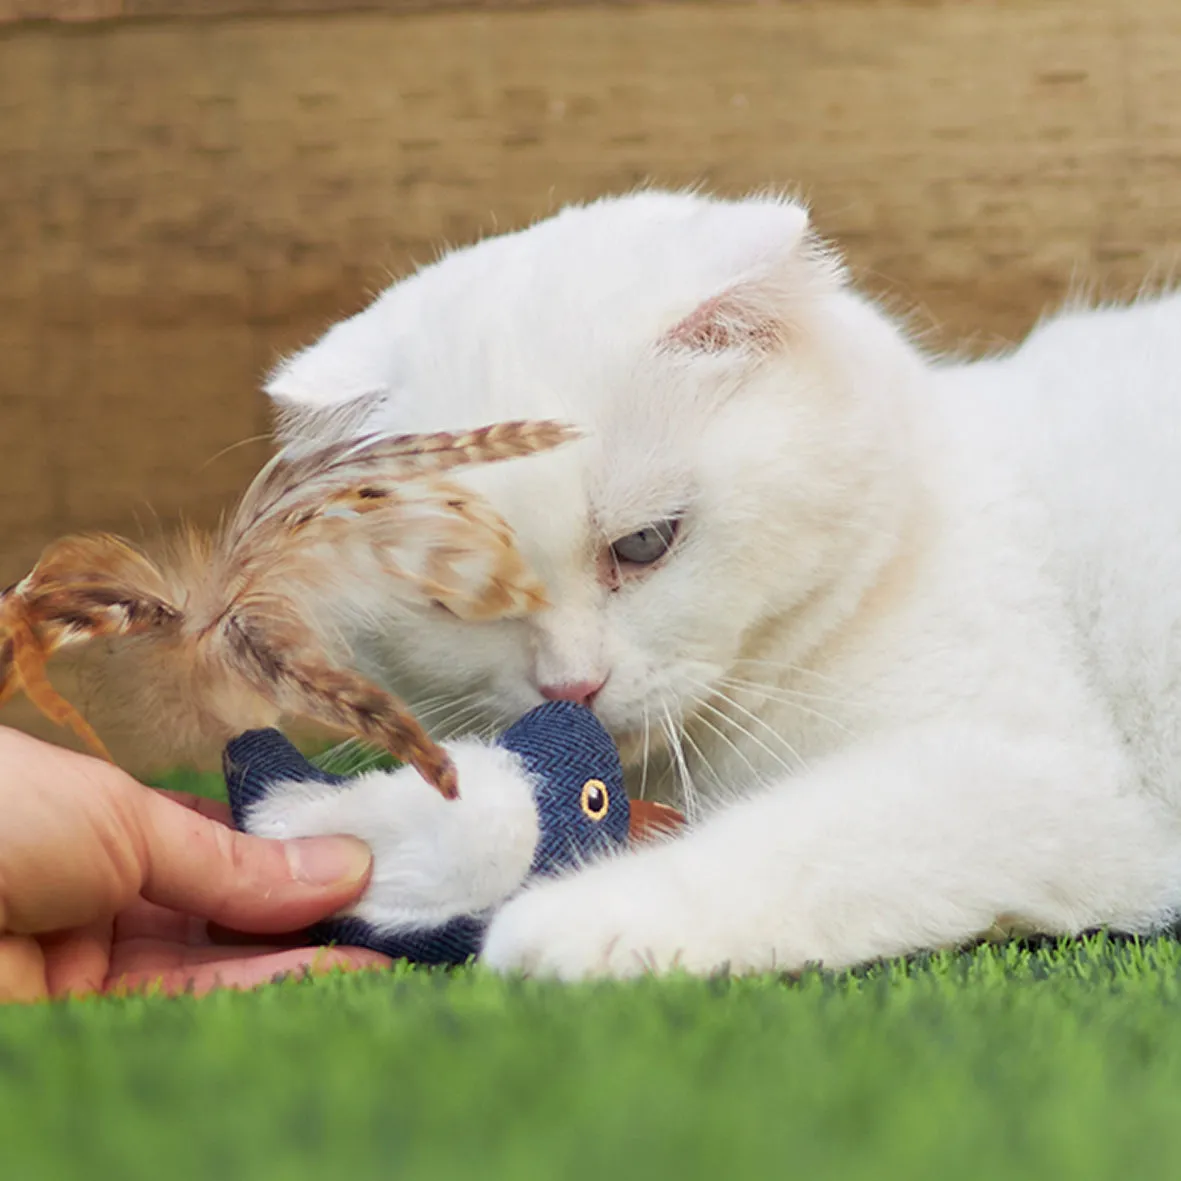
(576, 777)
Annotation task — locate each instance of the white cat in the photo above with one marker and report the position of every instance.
(906, 632)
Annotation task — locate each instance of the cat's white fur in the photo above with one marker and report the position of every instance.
(920, 626)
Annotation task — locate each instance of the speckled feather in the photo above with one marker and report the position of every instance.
(234, 631)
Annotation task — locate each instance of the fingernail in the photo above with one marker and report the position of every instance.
(328, 861)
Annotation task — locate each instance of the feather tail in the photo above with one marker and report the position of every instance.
(29, 657)
(234, 631)
(82, 588)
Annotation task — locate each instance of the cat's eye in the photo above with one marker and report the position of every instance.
(647, 545)
(595, 799)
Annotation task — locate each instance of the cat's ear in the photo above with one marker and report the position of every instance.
(777, 267)
(332, 388)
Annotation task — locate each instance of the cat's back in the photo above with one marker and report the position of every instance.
(1086, 414)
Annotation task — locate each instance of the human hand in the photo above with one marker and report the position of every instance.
(105, 884)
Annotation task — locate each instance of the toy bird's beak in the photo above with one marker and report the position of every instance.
(648, 820)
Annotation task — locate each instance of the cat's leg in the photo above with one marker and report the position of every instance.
(918, 840)
(433, 858)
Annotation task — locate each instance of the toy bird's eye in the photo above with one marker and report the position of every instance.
(595, 799)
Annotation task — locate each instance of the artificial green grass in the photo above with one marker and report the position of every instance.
(996, 1063)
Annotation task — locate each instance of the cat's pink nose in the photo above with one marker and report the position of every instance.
(582, 692)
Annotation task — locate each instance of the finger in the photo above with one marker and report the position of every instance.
(76, 962)
(138, 957)
(22, 970)
(66, 854)
(147, 956)
(228, 937)
(217, 810)
(198, 866)
(113, 840)
(245, 973)
(146, 920)
(70, 847)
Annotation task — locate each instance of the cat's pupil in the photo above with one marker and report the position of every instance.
(644, 546)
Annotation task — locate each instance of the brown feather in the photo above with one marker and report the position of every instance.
(237, 630)
(23, 656)
(8, 681)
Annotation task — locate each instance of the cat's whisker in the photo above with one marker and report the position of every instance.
(433, 698)
(686, 737)
(788, 666)
(461, 718)
(488, 732)
(775, 687)
(460, 723)
(748, 733)
(692, 795)
(340, 750)
(368, 762)
(344, 757)
(449, 703)
(425, 716)
(438, 698)
(644, 764)
(723, 737)
(354, 756)
(442, 714)
(777, 759)
(454, 723)
(769, 693)
(728, 699)
(688, 791)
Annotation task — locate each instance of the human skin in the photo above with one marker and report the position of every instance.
(106, 884)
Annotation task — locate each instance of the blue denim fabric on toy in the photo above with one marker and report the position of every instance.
(582, 808)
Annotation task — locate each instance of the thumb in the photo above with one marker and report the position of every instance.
(200, 866)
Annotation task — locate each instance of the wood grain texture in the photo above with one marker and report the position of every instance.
(79, 11)
(183, 200)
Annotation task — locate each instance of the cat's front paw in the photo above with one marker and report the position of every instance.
(618, 919)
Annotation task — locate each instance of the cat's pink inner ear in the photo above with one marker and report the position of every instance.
(732, 320)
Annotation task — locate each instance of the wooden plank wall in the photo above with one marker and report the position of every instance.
(194, 186)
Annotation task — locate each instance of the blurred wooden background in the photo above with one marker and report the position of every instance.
(190, 187)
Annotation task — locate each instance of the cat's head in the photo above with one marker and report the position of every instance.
(744, 416)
